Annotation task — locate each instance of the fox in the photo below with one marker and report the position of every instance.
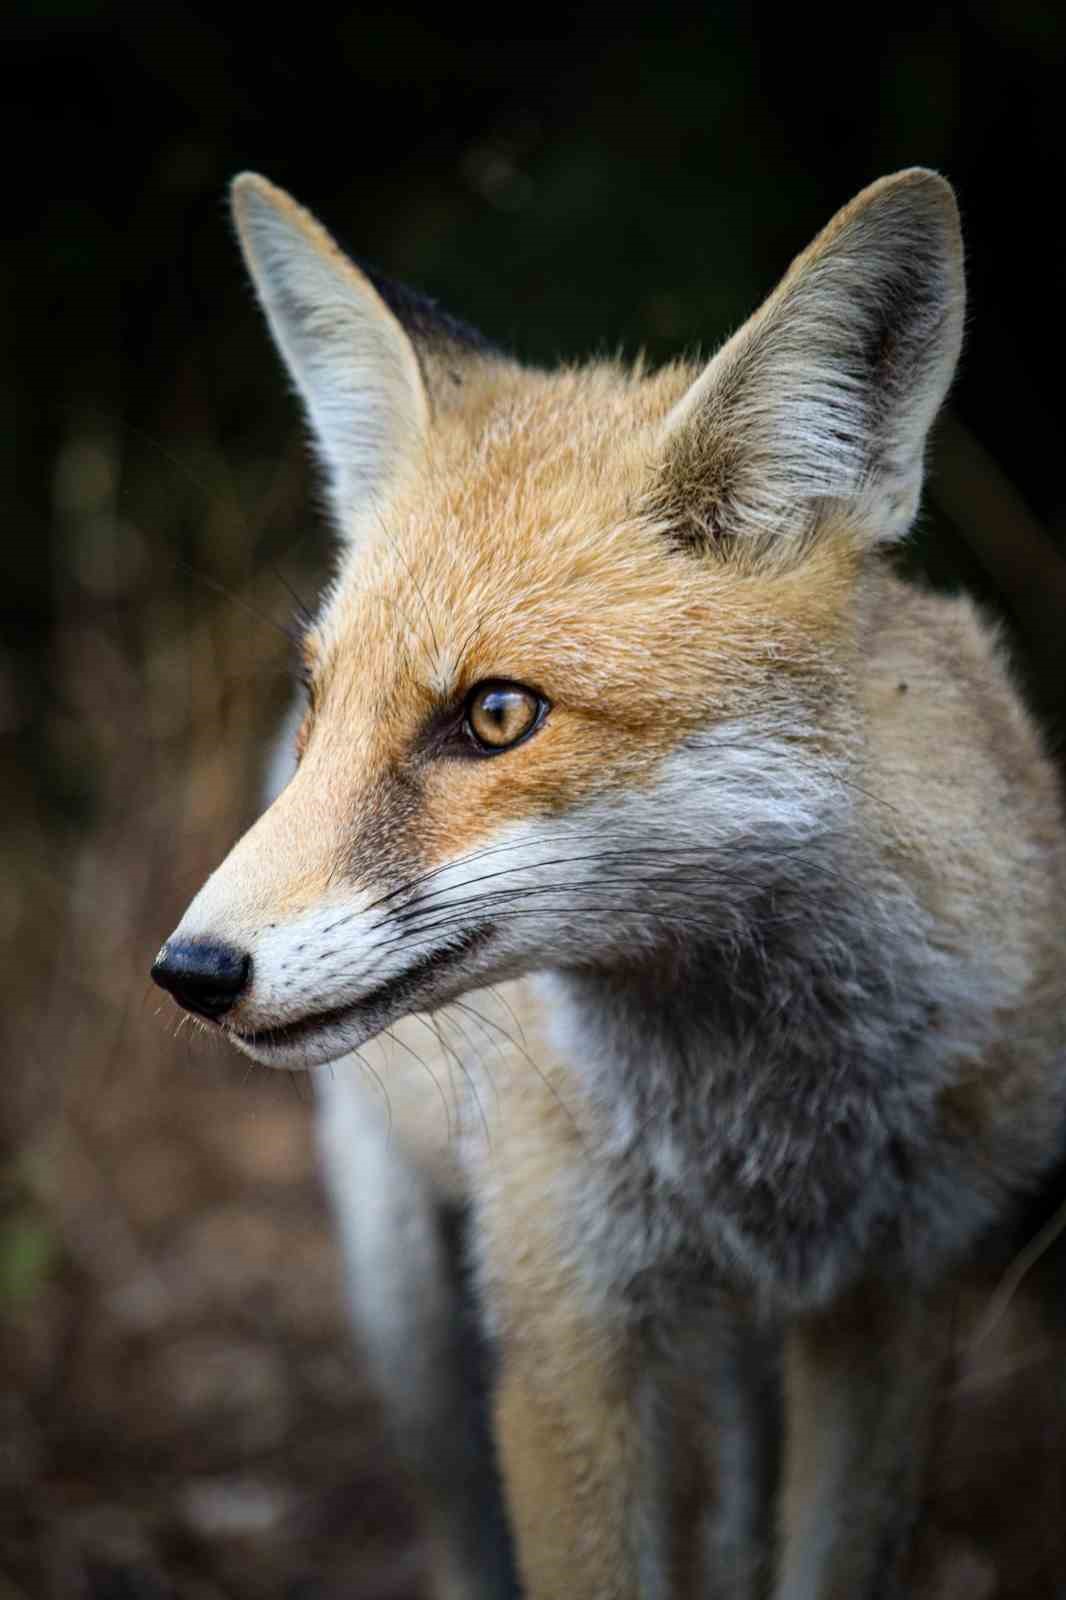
(620, 721)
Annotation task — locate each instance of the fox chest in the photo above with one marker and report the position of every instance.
(779, 1183)
(662, 1216)
(780, 1208)
(788, 1139)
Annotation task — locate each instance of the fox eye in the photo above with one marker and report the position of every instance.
(500, 715)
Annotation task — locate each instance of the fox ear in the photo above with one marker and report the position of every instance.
(827, 394)
(354, 366)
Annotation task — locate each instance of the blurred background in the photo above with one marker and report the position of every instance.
(180, 1410)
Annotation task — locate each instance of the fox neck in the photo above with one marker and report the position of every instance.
(764, 1101)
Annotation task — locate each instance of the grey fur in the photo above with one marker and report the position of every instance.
(794, 1056)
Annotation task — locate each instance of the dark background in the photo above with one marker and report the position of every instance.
(180, 1415)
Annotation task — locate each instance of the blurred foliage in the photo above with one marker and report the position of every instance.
(27, 1249)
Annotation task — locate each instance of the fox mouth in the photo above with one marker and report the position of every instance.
(402, 990)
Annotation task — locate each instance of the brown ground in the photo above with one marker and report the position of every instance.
(182, 1411)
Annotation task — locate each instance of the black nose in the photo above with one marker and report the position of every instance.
(202, 976)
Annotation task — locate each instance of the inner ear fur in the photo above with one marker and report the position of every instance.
(824, 399)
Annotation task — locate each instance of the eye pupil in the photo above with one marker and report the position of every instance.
(496, 706)
(500, 714)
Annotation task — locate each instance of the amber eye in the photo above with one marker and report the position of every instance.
(499, 715)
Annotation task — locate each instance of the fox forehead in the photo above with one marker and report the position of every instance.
(526, 545)
(519, 498)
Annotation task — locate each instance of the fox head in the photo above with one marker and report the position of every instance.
(584, 677)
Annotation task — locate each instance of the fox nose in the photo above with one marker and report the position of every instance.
(203, 976)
